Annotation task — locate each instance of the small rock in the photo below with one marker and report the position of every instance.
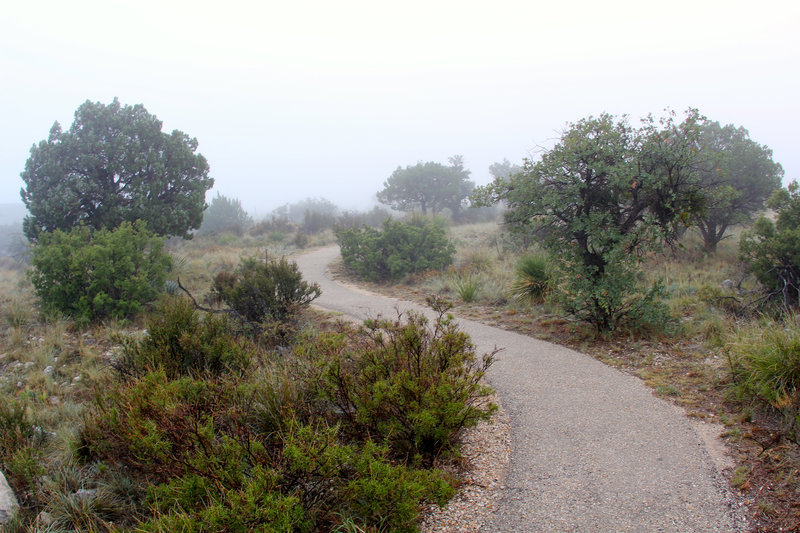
(8, 500)
(727, 284)
(48, 371)
(76, 378)
(44, 519)
(85, 494)
(29, 364)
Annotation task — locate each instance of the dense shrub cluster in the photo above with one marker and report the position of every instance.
(407, 382)
(181, 342)
(91, 274)
(337, 434)
(398, 249)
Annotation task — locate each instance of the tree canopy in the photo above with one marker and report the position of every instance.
(428, 187)
(737, 175)
(605, 193)
(114, 164)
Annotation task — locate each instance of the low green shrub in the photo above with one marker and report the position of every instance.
(90, 275)
(210, 465)
(263, 293)
(181, 342)
(398, 249)
(407, 382)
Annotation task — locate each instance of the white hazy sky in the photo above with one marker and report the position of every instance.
(297, 99)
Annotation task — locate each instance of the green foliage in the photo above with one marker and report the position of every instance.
(428, 186)
(387, 496)
(97, 274)
(406, 382)
(602, 197)
(212, 466)
(771, 250)
(400, 248)
(467, 286)
(113, 165)
(225, 214)
(534, 277)
(765, 365)
(264, 292)
(738, 175)
(180, 342)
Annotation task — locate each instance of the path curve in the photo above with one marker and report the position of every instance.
(592, 448)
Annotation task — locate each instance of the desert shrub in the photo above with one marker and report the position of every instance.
(387, 496)
(410, 383)
(771, 250)
(398, 249)
(534, 276)
(91, 274)
(615, 299)
(211, 466)
(765, 365)
(181, 342)
(264, 294)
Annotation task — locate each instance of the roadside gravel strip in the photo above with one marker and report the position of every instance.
(592, 449)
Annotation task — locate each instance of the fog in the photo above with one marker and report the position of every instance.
(326, 99)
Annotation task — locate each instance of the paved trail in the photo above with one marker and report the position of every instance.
(592, 448)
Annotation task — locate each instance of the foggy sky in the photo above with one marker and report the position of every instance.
(326, 99)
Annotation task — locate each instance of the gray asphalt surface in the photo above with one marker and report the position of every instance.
(592, 448)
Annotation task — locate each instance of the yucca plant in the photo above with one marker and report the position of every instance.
(534, 274)
(466, 286)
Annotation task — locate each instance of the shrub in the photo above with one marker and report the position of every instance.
(765, 365)
(211, 466)
(771, 250)
(400, 248)
(181, 342)
(534, 276)
(406, 382)
(264, 293)
(90, 275)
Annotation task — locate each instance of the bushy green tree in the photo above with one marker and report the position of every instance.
(225, 214)
(428, 187)
(91, 274)
(399, 248)
(114, 164)
(771, 250)
(737, 175)
(602, 196)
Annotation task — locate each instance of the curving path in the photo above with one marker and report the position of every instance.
(592, 448)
